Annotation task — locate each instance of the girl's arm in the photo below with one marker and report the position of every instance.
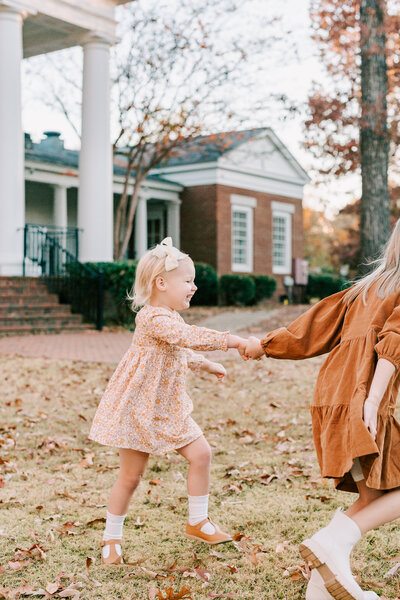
(383, 373)
(315, 332)
(165, 327)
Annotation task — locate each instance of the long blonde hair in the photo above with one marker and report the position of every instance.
(386, 271)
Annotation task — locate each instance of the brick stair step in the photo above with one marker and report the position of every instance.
(27, 330)
(41, 321)
(27, 299)
(22, 281)
(31, 290)
(22, 312)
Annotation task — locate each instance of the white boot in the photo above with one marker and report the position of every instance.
(329, 551)
(316, 589)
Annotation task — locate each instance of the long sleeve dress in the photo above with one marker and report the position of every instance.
(145, 406)
(355, 336)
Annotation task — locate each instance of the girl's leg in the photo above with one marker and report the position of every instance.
(198, 454)
(132, 466)
(366, 496)
(385, 508)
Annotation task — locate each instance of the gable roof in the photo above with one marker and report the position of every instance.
(209, 148)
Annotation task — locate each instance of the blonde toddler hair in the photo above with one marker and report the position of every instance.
(149, 267)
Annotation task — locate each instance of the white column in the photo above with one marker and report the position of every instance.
(12, 197)
(173, 222)
(95, 198)
(141, 227)
(60, 214)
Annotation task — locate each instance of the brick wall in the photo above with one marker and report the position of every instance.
(199, 223)
(206, 228)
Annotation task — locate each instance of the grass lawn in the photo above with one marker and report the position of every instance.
(266, 489)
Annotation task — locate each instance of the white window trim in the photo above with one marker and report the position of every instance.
(248, 267)
(240, 200)
(287, 215)
(283, 207)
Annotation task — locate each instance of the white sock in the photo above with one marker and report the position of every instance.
(113, 531)
(198, 511)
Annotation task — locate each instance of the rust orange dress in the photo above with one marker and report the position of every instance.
(145, 406)
(355, 336)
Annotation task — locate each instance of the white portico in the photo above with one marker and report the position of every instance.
(29, 28)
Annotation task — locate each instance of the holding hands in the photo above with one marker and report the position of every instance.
(250, 348)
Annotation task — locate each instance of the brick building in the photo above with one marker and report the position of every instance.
(232, 200)
(241, 206)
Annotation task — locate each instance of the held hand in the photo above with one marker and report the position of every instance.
(242, 349)
(216, 369)
(254, 349)
(235, 341)
(370, 416)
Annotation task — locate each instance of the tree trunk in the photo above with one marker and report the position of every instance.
(374, 139)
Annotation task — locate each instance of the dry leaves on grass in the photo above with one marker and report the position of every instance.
(170, 594)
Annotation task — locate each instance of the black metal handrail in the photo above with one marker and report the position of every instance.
(75, 283)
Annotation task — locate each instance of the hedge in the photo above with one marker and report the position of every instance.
(265, 287)
(321, 286)
(207, 285)
(238, 290)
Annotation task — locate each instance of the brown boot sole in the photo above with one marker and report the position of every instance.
(332, 585)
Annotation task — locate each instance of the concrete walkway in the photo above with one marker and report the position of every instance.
(108, 346)
(239, 320)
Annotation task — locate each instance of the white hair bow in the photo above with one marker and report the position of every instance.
(172, 255)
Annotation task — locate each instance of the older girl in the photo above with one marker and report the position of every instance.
(356, 435)
(145, 409)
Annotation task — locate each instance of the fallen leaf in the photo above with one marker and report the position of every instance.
(171, 595)
(393, 571)
(281, 547)
(51, 588)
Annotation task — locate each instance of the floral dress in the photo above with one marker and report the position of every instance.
(355, 336)
(145, 406)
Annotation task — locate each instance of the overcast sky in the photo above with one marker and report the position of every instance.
(288, 72)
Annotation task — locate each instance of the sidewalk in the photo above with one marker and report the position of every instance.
(109, 346)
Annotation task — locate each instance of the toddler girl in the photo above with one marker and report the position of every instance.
(145, 409)
(356, 434)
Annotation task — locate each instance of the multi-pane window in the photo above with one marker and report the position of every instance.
(281, 242)
(242, 238)
(240, 235)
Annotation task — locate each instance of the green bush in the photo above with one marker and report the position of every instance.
(320, 286)
(207, 284)
(265, 287)
(239, 290)
(118, 280)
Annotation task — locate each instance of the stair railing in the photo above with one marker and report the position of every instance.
(75, 283)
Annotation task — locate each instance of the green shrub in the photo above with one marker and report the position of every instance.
(265, 287)
(207, 284)
(239, 290)
(320, 286)
(118, 280)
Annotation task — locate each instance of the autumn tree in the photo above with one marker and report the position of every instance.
(356, 41)
(180, 69)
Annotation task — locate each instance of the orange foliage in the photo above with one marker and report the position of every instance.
(332, 129)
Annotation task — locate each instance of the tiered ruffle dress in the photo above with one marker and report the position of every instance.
(145, 406)
(355, 336)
